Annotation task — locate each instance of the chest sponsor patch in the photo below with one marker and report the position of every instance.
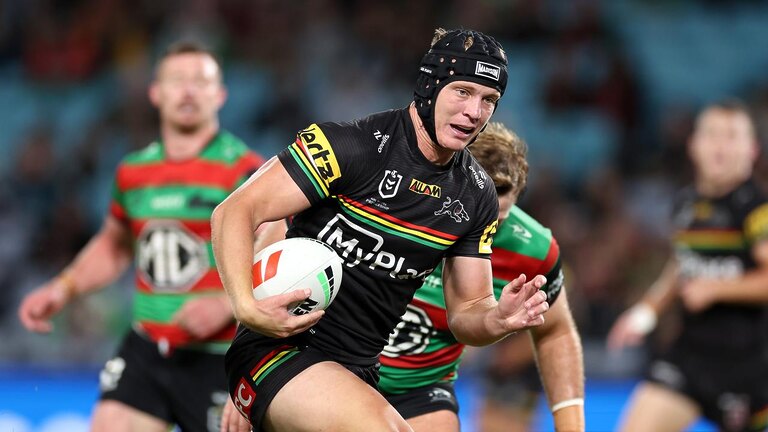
(170, 257)
(422, 188)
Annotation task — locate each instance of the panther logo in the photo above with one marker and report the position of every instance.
(454, 209)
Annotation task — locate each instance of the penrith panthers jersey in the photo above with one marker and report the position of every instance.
(390, 214)
(713, 239)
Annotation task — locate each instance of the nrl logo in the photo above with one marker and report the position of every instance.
(454, 209)
(389, 184)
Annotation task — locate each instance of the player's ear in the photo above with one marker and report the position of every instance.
(154, 94)
(222, 96)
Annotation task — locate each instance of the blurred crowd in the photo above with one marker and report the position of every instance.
(604, 92)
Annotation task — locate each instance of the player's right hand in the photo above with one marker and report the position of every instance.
(271, 317)
(232, 420)
(39, 306)
(631, 327)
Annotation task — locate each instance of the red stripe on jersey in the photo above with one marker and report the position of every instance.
(437, 314)
(440, 357)
(202, 228)
(390, 218)
(116, 210)
(508, 265)
(194, 172)
(177, 336)
(209, 280)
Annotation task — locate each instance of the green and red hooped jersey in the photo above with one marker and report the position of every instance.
(167, 205)
(422, 350)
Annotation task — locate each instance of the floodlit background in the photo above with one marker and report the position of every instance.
(604, 92)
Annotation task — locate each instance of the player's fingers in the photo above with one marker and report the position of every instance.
(292, 297)
(533, 286)
(304, 322)
(516, 285)
(538, 308)
(536, 298)
(535, 321)
(39, 326)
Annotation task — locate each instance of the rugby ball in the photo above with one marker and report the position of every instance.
(298, 263)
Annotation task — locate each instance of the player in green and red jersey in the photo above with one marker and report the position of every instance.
(170, 367)
(421, 361)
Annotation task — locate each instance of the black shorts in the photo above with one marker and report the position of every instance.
(187, 388)
(425, 400)
(731, 390)
(257, 370)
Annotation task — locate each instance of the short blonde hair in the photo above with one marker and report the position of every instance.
(503, 156)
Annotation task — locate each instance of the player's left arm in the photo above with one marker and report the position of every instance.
(749, 288)
(204, 316)
(474, 315)
(561, 365)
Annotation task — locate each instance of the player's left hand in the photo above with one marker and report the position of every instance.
(699, 294)
(232, 420)
(522, 304)
(205, 316)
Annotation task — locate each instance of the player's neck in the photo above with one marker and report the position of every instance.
(182, 145)
(430, 149)
(717, 189)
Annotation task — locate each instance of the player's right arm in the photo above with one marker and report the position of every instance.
(639, 320)
(98, 264)
(269, 195)
(561, 365)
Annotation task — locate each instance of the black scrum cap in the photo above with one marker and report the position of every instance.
(483, 62)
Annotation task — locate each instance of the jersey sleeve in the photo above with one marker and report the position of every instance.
(323, 160)
(553, 270)
(477, 243)
(756, 224)
(117, 201)
(246, 166)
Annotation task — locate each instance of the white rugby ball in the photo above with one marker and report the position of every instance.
(298, 263)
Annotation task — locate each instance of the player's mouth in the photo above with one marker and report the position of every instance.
(462, 131)
(187, 108)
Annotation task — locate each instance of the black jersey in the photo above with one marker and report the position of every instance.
(390, 214)
(713, 239)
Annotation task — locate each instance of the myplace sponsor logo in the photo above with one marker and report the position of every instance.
(487, 70)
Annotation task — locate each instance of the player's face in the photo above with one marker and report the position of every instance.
(188, 91)
(723, 147)
(506, 202)
(461, 110)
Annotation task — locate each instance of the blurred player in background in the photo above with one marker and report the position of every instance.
(349, 184)
(421, 361)
(170, 367)
(718, 365)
